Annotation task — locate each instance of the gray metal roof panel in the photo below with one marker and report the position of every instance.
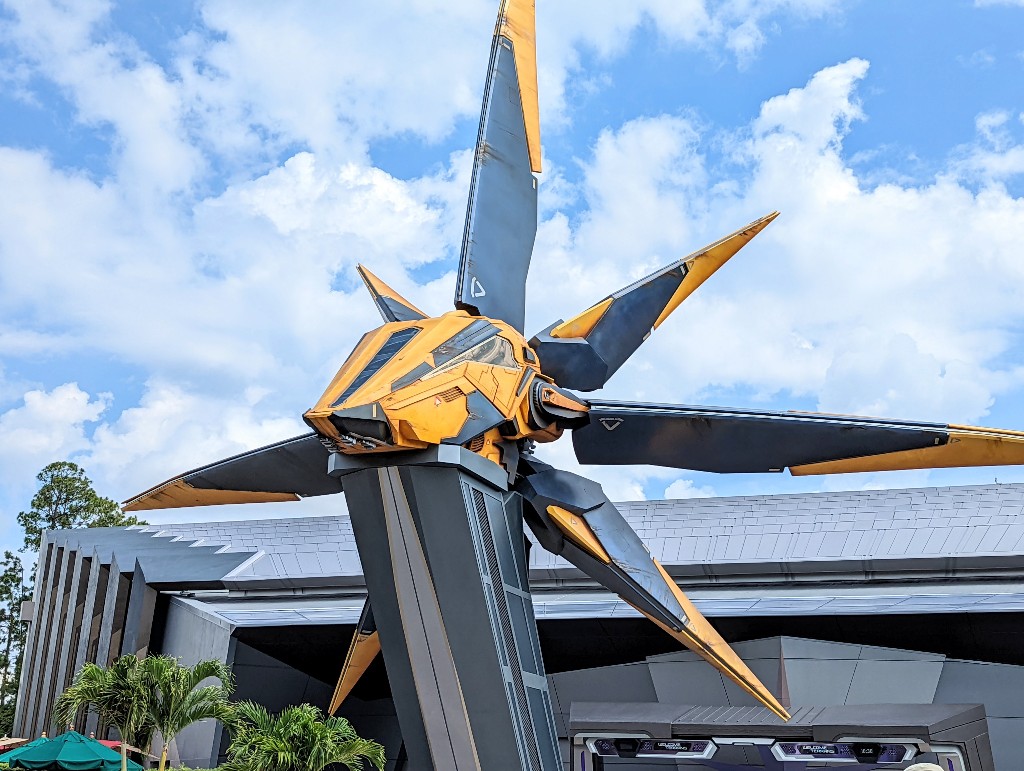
(869, 530)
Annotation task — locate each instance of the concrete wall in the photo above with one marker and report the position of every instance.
(1000, 687)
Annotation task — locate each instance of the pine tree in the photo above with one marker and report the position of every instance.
(12, 635)
(67, 500)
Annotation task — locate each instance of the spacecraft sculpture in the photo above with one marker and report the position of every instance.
(429, 428)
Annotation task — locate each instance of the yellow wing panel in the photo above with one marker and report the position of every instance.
(361, 653)
(577, 529)
(967, 446)
(518, 22)
(700, 637)
(702, 264)
(392, 305)
(179, 494)
(582, 324)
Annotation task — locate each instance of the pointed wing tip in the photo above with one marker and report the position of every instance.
(369, 280)
(517, 21)
(178, 494)
(700, 637)
(392, 306)
(966, 447)
(760, 224)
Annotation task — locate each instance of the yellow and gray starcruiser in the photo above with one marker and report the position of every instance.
(429, 427)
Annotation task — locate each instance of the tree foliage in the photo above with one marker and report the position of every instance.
(12, 635)
(177, 700)
(298, 739)
(65, 500)
(121, 696)
(150, 696)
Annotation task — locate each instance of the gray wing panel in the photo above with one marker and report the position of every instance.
(501, 219)
(730, 440)
(283, 471)
(630, 573)
(297, 465)
(586, 363)
(571, 516)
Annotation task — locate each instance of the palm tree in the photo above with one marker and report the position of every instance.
(121, 696)
(297, 739)
(176, 700)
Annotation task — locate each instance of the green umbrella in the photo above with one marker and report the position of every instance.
(8, 756)
(68, 752)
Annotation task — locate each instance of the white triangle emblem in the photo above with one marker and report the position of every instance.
(611, 423)
(476, 289)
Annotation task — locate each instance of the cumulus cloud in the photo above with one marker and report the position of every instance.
(889, 300)
(215, 259)
(46, 426)
(685, 488)
(998, 155)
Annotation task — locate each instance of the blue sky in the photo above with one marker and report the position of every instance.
(186, 188)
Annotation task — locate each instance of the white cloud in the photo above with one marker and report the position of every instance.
(246, 280)
(686, 488)
(895, 299)
(997, 155)
(110, 82)
(888, 300)
(980, 60)
(46, 426)
(255, 82)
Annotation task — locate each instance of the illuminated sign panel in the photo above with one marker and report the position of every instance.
(653, 748)
(867, 753)
(857, 752)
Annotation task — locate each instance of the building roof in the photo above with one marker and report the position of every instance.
(937, 549)
(919, 522)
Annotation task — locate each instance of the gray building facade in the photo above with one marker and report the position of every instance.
(930, 580)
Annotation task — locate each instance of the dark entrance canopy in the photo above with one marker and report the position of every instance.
(71, 751)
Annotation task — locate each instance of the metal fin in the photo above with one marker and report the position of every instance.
(614, 328)
(362, 651)
(392, 306)
(966, 446)
(501, 217)
(518, 23)
(284, 471)
(571, 517)
(700, 637)
(728, 441)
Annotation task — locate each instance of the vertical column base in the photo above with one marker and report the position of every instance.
(444, 560)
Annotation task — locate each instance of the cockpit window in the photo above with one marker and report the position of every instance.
(392, 345)
(467, 338)
(496, 351)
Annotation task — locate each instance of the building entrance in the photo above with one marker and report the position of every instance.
(659, 736)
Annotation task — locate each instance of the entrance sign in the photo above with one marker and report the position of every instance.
(845, 752)
(630, 747)
(874, 753)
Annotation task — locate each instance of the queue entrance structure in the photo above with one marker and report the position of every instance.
(654, 736)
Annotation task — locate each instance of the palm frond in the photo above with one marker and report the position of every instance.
(299, 738)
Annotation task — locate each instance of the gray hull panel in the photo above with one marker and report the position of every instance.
(445, 567)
